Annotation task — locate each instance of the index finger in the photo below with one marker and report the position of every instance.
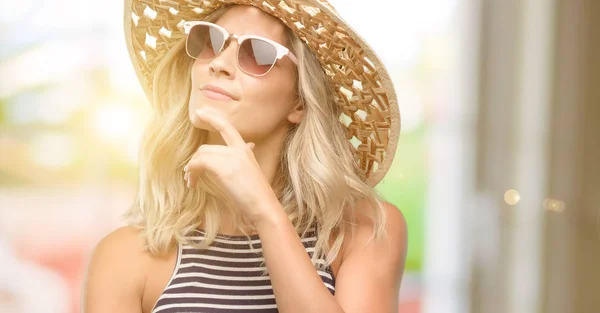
(229, 133)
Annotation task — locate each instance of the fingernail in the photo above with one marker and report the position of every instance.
(185, 169)
(188, 184)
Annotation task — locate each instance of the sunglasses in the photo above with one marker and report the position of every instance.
(255, 55)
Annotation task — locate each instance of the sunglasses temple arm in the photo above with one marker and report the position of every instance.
(292, 57)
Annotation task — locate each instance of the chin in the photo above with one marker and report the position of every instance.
(201, 125)
(196, 122)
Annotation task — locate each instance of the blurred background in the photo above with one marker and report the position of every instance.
(497, 169)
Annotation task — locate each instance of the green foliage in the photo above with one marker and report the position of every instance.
(405, 186)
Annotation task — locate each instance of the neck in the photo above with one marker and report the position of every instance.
(267, 153)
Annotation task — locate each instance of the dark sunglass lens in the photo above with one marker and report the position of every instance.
(204, 42)
(257, 56)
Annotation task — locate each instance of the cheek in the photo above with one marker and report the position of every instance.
(266, 104)
(193, 105)
(198, 75)
(274, 93)
(199, 70)
(196, 78)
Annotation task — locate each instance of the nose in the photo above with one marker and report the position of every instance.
(224, 63)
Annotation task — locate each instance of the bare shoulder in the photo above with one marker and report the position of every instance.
(395, 228)
(122, 248)
(372, 268)
(122, 239)
(114, 278)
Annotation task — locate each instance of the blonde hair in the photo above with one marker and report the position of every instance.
(318, 182)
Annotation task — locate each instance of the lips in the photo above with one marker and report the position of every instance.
(217, 93)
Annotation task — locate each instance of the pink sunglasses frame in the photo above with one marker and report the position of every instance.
(281, 50)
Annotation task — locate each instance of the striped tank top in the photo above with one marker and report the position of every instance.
(226, 277)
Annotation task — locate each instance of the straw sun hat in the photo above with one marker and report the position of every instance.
(363, 88)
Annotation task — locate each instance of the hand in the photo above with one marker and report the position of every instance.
(233, 166)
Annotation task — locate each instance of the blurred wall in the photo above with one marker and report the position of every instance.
(538, 159)
(573, 285)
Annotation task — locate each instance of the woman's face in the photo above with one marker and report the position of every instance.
(259, 107)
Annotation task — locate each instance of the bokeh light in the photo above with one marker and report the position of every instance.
(512, 197)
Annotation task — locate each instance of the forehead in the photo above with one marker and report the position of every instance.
(248, 20)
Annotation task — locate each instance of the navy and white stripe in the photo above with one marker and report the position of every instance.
(226, 277)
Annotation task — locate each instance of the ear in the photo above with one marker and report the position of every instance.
(295, 116)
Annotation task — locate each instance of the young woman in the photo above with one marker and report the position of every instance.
(273, 122)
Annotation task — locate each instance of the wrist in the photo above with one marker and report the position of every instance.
(272, 216)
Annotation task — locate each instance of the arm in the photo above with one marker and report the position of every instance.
(368, 279)
(114, 279)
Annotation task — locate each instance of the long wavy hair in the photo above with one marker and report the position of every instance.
(318, 182)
